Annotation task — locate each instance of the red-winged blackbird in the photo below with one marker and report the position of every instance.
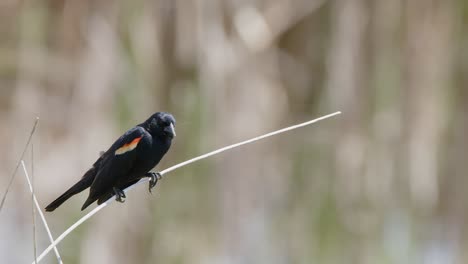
(127, 161)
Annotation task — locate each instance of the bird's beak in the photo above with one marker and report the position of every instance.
(170, 130)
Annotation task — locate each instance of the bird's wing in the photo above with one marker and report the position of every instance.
(118, 161)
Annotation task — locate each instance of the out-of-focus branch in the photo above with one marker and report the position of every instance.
(259, 29)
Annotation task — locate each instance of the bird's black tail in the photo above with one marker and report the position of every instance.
(84, 183)
(88, 201)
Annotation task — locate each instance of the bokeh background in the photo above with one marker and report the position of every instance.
(385, 182)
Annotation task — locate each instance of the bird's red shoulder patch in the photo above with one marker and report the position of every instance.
(128, 147)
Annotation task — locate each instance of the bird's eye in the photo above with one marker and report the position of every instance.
(165, 123)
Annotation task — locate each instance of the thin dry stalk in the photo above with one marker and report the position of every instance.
(33, 209)
(18, 164)
(51, 238)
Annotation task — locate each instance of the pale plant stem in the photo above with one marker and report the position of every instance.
(18, 164)
(33, 208)
(59, 259)
(182, 164)
(209, 154)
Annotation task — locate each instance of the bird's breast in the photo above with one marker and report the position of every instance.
(150, 155)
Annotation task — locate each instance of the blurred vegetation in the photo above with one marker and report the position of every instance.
(383, 183)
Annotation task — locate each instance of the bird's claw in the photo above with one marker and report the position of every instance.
(119, 195)
(154, 178)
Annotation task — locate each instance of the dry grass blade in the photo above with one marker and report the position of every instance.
(182, 164)
(18, 164)
(33, 208)
(36, 203)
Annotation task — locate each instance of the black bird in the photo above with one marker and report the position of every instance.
(128, 160)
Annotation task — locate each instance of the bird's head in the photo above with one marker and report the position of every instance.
(161, 124)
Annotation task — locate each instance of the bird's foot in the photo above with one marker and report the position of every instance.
(154, 178)
(119, 195)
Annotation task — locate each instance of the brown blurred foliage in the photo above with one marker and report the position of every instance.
(382, 183)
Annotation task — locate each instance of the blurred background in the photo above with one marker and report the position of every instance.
(382, 183)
